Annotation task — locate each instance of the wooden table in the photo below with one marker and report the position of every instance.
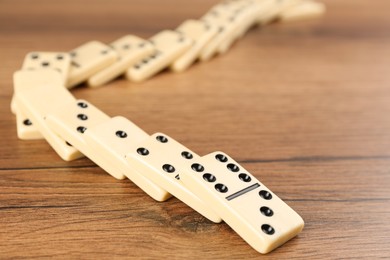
(304, 106)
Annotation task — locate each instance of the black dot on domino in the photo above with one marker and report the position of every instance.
(73, 54)
(187, 155)
(162, 139)
(168, 168)
(265, 194)
(121, 134)
(82, 104)
(221, 188)
(142, 151)
(60, 57)
(244, 177)
(81, 129)
(68, 144)
(75, 64)
(27, 122)
(45, 64)
(209, 177)
(232, 167)
(34, 56)
(268, 229)
(197, 167)
(104, 52)
(82, 117)
(126, 46)
(141, 45)
(266, 211)
(221, 158)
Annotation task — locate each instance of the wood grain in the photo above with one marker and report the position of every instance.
(303, 106)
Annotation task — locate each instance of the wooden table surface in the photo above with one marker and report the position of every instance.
(304, 106)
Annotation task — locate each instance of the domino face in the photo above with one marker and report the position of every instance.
(161, 159)
(169, 45)
(200, 33)
(244, 18)
(131, 49)
(37, 92)
(262, 219)
(87, 60)
(114, 139)
(72, 120)
(59, 61)
(223, 18)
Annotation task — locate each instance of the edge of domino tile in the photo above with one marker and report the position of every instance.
(303, 11)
